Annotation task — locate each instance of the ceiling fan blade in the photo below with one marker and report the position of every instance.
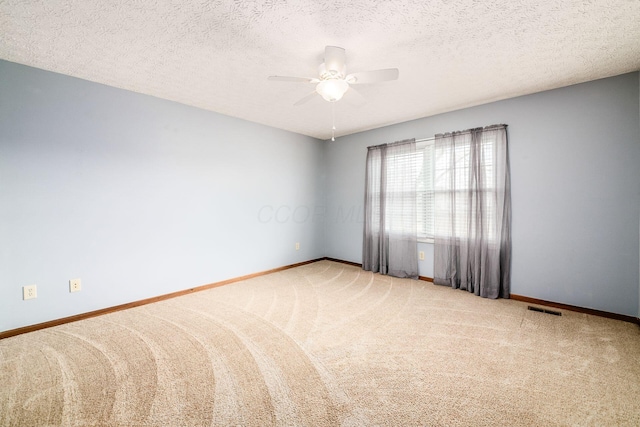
(334, 59)
(292, 79)
(375, 76)
(306, 98)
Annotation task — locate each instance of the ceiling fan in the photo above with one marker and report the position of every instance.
(333, 81)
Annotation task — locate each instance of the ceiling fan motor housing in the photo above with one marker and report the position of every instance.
(332, 73)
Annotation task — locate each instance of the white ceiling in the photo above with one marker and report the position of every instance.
(217, 55)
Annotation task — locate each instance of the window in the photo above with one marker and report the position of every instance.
(422, 161)
(430, 171)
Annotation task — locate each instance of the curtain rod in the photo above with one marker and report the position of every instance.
(418, 141)
(391, 144)
(432, 138)
(490, 127)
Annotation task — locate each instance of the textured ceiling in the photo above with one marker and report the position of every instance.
(217, 55)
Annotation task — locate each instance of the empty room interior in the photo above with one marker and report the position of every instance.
(191, 230)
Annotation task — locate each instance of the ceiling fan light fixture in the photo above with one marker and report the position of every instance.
(332, 90)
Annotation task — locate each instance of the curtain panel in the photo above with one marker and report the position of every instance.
(390, 229)
(472, 191)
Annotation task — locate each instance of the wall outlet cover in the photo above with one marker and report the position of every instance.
(29, 292)
(75, 285)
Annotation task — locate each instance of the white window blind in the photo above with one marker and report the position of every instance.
(425, 202)
(399, 187)
(423, 162)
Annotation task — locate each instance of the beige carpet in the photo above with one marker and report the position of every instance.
(321, 345)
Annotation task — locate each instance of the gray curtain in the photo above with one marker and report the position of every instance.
(472, 192)
(390, 242)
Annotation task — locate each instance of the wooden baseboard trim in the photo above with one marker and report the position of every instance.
(82, 316)
(355, 264)
(568, 307)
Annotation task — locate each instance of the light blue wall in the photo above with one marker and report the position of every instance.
(140, 196)
(575, 169)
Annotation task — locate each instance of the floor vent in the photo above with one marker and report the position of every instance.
(544, 310)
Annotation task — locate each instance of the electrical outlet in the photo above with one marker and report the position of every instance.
(29, 292)
(297, 246)
(74, 285)
(421, 255)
